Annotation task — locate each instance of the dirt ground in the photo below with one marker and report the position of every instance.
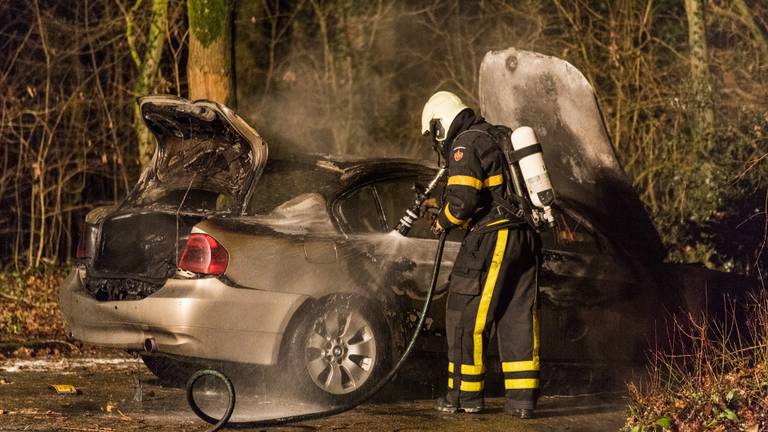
(120, 394)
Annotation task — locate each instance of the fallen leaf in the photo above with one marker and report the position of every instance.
(67, 389)
(22, 353)
(664, 422)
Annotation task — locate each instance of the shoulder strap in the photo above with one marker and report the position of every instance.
(525, 151)
(472, 130)
(513, 204)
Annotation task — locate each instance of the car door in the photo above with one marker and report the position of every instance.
(395, 196)
(400, 266)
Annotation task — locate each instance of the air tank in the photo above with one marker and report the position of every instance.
(534, 171)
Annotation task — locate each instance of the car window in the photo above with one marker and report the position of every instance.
(360, 211)
(396, 196)
(278, 185)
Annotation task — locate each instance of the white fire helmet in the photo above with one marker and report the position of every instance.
(438, 114)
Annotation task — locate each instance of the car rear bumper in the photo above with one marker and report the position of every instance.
(202, 318)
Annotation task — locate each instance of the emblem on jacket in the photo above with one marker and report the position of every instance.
(457, 155)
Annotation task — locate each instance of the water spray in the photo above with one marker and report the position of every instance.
(222, 422)
(412, 214)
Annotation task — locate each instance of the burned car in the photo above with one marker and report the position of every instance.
(221, 253)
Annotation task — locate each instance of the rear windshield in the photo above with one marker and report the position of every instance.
(282, 181)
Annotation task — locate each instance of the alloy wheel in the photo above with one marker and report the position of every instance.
(340, 351)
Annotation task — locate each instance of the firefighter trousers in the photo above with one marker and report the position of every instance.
(494, 281)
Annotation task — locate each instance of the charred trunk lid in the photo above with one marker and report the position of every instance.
(201, 145)
(205, 165)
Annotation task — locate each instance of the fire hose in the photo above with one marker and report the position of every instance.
(222, 422)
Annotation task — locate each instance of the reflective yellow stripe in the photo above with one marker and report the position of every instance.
(498, 222)
(450, 367)
(453, 219)
(471, 386)
(531, 365)
(465, 181)
(450, 383)
(485, 298)
(473, 369)
(521, 366)
(520, 383)
(494, 180)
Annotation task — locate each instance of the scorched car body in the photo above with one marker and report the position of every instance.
(292, 264)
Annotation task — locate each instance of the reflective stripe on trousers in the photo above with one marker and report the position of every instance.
(508, 298)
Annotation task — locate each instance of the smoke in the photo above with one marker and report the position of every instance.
(353, 80)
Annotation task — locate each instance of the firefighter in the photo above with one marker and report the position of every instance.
(494, 278)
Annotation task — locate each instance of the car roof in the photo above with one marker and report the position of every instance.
(351, 170)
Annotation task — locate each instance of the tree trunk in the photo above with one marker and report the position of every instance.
(704, 114)
(209, 68)
(148, 66)
(747, 17)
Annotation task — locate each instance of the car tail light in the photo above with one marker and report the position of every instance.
(203, 254)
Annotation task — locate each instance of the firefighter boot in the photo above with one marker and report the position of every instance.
(446, 405)
(473, 407)
(521, 413)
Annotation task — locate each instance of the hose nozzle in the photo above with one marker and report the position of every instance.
(412, 214)
(406, 222)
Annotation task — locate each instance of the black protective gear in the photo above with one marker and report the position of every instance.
(494, 278)
(446, 405)
(476, 175)
(443, 404)
(521, 413)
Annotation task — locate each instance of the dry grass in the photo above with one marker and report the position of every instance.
(30, 321)
(713, 378)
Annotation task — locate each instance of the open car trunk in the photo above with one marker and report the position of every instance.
(207, 160)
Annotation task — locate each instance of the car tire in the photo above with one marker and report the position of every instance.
(337, 349)
(168, 370)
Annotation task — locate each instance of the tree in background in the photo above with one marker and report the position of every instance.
(747, 16)
(343, 76)
(147, 66)
(298, 60)
(703, 110)
(209, 65)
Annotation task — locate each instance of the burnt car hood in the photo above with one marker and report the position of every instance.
(523, 88)
(201, 143)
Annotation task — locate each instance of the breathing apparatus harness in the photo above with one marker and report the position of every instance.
(403, 227)
(533, 195)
